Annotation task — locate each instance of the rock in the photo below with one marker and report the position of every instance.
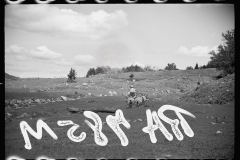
(167, 91)
(23, 115)
(73, 110)
(13, 101)
(91, 101)
(89, 94)
(38, 101)
(218, 132)
(139, 119)
(15, 105)
(7, 102)
(64, 98)
(18, 101)
(85, 84)
(114, 92)
(100, 95)
(8, 114)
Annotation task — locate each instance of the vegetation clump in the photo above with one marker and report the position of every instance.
(72, 76)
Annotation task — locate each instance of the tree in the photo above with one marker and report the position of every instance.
(99, 70)
(133, 68)
(224, 59)
(171, 66)
(72, 75)
(149, 68)
(90, 72)
(189, 68)
(196, 67)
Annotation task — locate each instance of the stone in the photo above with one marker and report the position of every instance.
(6, 103)
(167, 91)
(13, 101)
(23, 115)
(85, 84)
(64, 98)
(18, 101)
(38, 101)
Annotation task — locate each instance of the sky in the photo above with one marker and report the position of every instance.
(47, 40)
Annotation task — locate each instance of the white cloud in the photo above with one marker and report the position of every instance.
(199, 51)
(41, 53)
(54, 21)
(44, 53)
(83, 60)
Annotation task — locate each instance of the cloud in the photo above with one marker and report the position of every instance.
(43, 53)
(58, 22)
(83, 60)
(198, 51)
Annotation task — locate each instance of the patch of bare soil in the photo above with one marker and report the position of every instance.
(219, 91)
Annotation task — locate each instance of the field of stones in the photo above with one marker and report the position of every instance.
(209, 99)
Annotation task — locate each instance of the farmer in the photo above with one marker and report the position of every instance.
(132, 91)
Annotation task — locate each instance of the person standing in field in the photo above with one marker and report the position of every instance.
(132, 91)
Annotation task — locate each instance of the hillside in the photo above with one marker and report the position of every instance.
(190, 85)
(10, 77)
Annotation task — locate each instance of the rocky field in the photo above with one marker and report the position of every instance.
(209, 99)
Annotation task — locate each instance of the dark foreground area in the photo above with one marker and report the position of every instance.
(213, 130)
(209, 99)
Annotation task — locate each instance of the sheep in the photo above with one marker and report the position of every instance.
(130, 101)
(141, 100)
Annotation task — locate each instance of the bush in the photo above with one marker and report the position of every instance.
(72, 75)
(133, 68)
(149, 68)
(189, 68)
(171, 66)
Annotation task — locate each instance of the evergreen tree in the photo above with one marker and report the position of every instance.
(196, 67)
(72, 75)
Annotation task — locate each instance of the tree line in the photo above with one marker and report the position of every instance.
(222, 59)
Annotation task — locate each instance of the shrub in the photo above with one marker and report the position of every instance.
(189, 68)
(72, 75)
(171, 66)
(133, 68)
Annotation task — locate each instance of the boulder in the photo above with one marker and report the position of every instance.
(64, 98)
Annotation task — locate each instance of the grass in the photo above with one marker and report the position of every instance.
(205, 143)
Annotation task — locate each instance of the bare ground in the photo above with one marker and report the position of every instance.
(163, 87)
